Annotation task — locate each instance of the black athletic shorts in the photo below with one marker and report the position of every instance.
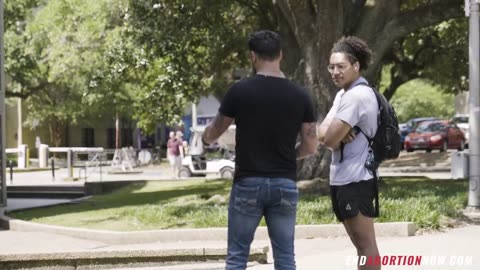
(348, 199)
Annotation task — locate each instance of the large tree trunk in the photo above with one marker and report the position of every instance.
(56, 130)
(307, 49)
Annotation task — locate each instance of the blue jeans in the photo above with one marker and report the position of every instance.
(251, 198)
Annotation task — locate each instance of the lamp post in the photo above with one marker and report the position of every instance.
(3, 185)
(474, 105)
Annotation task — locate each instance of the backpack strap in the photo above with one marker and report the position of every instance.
(370, 140)
(342, 145)
(375, 189)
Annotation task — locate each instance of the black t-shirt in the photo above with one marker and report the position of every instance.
(268, 112)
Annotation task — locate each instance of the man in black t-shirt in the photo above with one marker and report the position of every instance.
(269, 112)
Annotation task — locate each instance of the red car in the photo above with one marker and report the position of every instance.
(440, 134)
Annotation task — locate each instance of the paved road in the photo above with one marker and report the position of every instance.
(417, 163)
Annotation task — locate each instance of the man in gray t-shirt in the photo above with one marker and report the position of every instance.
(357, 108)
(352, 118)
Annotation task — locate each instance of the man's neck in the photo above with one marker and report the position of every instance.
(352, 84)
(271, 73)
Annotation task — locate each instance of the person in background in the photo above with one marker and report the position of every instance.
(173, 152)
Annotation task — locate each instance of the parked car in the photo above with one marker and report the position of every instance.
(410, 125)
(440, 134)
(461, 120)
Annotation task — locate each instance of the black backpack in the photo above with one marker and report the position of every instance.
(386, 142)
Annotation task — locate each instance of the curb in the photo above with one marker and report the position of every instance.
(394, 229)
(414, 169)
(108, 259)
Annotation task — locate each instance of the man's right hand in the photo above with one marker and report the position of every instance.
(350, 136)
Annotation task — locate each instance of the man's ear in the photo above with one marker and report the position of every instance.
(356, 66)
(253, 56)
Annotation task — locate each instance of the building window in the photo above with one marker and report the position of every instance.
(88, 137)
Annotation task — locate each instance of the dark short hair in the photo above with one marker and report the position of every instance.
(356, 49)
(266, 44)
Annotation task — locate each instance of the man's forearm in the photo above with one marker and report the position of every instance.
(216, 128)
(308, 141)
(210, 135)
(334, 147)
(336, 132)
(302, 151)
(322, 129)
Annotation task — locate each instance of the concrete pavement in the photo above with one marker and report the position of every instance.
(453, 249)
(456, 248)
(158, 172)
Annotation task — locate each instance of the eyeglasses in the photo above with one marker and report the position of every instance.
(341, 67)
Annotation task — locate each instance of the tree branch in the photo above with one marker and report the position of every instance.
(267, 14)
(250, 5)
(10, 94)
(353, 10)
(289, 17)
(374, 18)
(409, 21)
(434, 13)
(261, 10)
(406, 69)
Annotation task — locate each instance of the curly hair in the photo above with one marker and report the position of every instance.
(356, 49)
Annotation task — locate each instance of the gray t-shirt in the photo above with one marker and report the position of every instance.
(356, 107)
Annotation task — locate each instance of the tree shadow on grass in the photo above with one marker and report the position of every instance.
(128, 196)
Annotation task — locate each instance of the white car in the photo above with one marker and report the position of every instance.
(220, 161)
(201, 165)
(461, 120)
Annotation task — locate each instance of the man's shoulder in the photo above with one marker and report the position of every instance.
(252, 82)
(359, 92)
(244, 82)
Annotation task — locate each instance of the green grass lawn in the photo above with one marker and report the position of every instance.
(184, 204)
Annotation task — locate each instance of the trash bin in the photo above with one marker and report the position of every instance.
(43, 156)
(459, 165)
(22, 156)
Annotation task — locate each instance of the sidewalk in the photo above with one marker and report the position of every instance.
(320, 253)
(158, 172)
(330, 253)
